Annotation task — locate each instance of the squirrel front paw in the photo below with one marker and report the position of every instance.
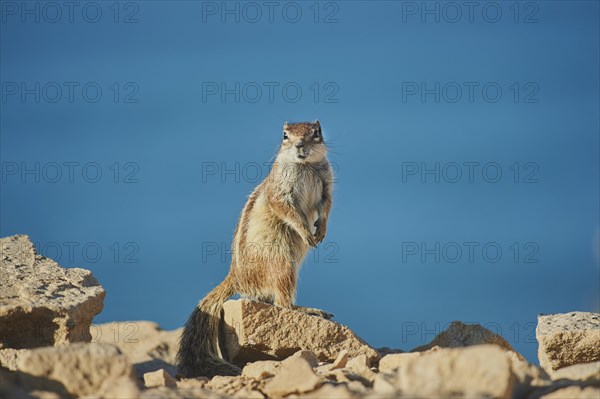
(310, 240)
(321, 230)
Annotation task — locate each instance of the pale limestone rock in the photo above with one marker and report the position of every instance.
(528, 377)
(78, 369)
(192, 383)
(567, 339)
(574, 392)
(9, 357)
(180, 393)
(294, 377)
(248, 393)
(346, 376)
(340, 361)
(477, 371)
(159, 378)
(226, 384)
(41, 303)
(382, 385)
(459, 334)
(259, 331)
(360, 366)
(392, 362)
(147, 346)
(309, 356)
(261, 369)
(331, 391)
(585, 372)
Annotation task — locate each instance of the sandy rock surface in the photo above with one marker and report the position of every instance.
(258, 331)
(42, 303)
(147, 346)
(567, 339)
(79, 369)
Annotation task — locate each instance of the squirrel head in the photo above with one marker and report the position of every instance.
(302, 143)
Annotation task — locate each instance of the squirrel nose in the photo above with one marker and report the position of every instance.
(300, 144)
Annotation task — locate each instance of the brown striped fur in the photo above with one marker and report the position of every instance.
(284, 216)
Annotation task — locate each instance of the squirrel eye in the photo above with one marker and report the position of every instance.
(285, 136)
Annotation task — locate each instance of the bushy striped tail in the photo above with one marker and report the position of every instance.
(199, 344)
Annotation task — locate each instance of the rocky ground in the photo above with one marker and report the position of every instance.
(50, 349)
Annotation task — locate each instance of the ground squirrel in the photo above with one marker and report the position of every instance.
(284, 216)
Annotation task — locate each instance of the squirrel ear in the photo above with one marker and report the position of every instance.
(285, 123)
(317, 122)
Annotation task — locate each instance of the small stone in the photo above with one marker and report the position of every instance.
(261, 369)
(360, 366)
(340, 361)
(574, 392)
(567, 339)
(585, 372)
(159, 378)
(193, 383)
(331, 391)
(381, 385)
(475, 371)
(295, 376)
(391, 363)
(247, 393)
(309, 356)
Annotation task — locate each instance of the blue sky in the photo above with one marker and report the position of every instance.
(465, 144)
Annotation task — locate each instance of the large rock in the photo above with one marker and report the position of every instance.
(259, 331)
(78, 370)
(585, 372)
(42, 304)
(476, 371)
(147, 346)
(459, 334)
(568, 339)
(295, 376)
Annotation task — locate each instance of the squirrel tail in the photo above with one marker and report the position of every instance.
(199, 344)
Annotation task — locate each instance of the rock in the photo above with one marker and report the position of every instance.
(41, 303)
(309, 356)
(261, 369)
(574, 392)
(477, 371)
(295, 376)
(331, 391)
(346, 376)
(193, 383)
(147, 346)
(259, 331)
(459, 335)
(568, 339)
(360, 366)
(528, 377)
(383, 386)
(169, 393)
(159, 378)
(340, 361)
(390, 363)
(586, 372)
(9, 357)
(78, 370)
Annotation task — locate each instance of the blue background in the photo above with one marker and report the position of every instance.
(169, 214)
